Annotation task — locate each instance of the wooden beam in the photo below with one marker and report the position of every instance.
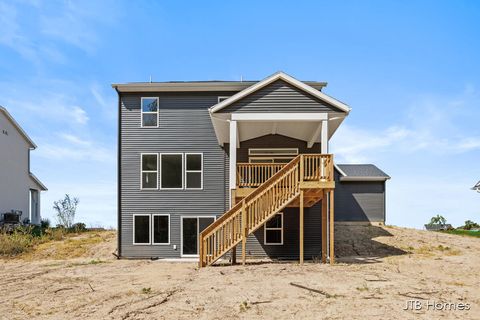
(301, 227)
(324, 228)
(332, 228)
(244, 234)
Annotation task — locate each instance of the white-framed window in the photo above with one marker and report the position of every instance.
(141, 229)
(222, 98)
(149, 171)
(149, 108)
(161, 229)
(273, 230)
(271, 155)
(193, 171)
(171, 171)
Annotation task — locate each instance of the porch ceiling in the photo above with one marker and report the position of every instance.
(305, 130)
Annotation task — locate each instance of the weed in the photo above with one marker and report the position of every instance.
(147, 290)
(244, 306)
(363, 288)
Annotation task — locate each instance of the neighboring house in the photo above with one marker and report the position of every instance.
(218, 168)
(19, 188)
(477, 187)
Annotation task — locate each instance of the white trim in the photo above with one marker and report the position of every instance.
(152, 227)
(232, 158)
(187, 171)
(149, 171)
(340, 170)
(149, 112)
(347, 178)
(149, 229)
(222, 97)
(265, 229)
(324, 137)
(301, 116)
(198, 232)
(283, 76)
(315, 135)
(183, 170)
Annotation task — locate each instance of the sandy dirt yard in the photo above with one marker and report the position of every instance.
(374, 277)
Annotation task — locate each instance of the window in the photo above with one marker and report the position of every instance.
(161, 229)
(149, 112)
(222, 98)
(193, 171)
(149, 171)
(172, 171)
(271, 155)
(141, 229)
(274, 230)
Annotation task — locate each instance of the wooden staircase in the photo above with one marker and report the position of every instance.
(305, 173)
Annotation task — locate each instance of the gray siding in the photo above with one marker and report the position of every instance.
(279, 96)
(360, 201)
(291, 233)
(184, 126)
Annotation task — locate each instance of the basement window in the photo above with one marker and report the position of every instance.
(149, 107)
(141, 229)
(273, 230)
(149, 171)
(161, 229)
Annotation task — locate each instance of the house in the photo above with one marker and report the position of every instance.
(476, 187)
(213, 169)
(19, 188)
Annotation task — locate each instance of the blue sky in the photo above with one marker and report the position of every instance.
(409, 70)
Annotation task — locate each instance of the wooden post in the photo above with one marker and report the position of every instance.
(324, 227)
(233, 252)
(301, 227)
(200, 261)
(301, 168)
(332, 227)
(244, 233)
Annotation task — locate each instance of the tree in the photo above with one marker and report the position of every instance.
(469, 225)
(438, 219)
(66, 209)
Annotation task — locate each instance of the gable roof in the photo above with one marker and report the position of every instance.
(477, 186)
(40, 185)
(361, 172)
(285, 77)
(17, 126)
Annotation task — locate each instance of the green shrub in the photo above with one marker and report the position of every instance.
(79, 227)
(469, 225)
(45, 223)
(14, 243)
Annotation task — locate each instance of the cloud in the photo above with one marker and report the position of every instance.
(106, 102)
(79, 115)
(434, 124)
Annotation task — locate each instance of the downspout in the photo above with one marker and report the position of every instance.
(119, 178)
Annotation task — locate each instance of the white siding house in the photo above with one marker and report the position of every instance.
(19, 188)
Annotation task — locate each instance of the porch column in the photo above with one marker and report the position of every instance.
(324, 137)
(332, 228)
(233, 160)
(301, 226)
(324, 227)
(233, 179)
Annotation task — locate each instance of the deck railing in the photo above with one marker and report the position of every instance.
(276, 192)
(317, 167)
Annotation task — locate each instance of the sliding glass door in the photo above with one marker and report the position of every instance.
(191, 228)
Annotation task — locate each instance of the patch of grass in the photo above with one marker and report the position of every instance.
(147, 290)
(470, 233)
(363, 288)
(244, 306)
(15, 243)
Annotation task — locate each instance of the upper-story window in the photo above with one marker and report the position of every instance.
(149, 112)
